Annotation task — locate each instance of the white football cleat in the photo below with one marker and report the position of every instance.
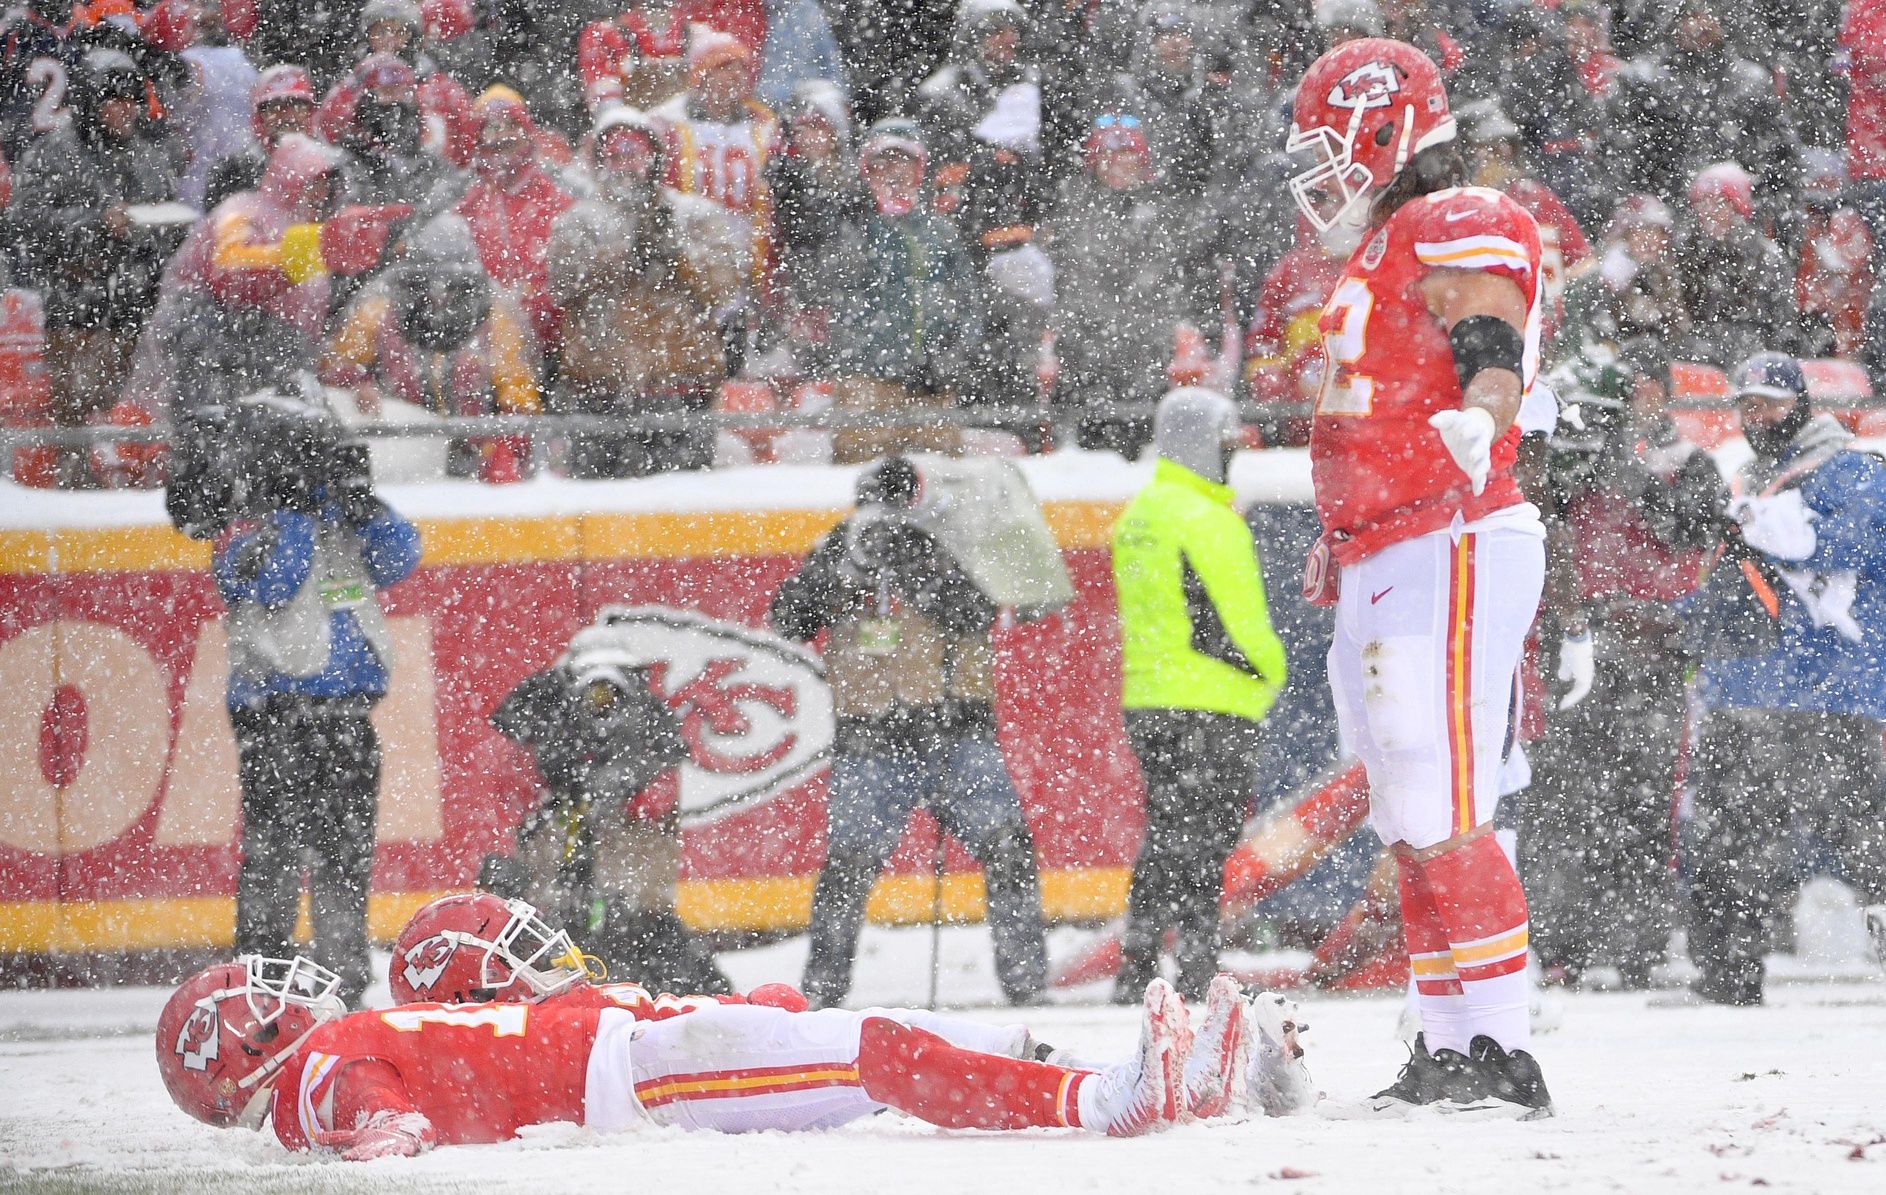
(1147, 1093)
(1220, 1052)
(1277, 1079)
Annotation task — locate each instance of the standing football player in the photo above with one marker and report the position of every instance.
(1431, 555)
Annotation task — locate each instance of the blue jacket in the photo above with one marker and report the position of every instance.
(1812, 667)
(270, 564)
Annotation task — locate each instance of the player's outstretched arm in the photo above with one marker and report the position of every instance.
(372, 1115)
(1485, 315)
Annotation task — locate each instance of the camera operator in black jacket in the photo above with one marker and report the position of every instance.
(908, 658)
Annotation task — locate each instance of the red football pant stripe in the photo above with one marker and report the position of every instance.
(1459, 682)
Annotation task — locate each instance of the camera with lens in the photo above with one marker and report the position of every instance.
(262, 453)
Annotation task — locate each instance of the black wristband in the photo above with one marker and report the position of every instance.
(1485, 342)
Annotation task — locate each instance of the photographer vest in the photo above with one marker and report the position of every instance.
(296, 639)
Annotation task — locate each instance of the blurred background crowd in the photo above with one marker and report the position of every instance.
(506, 207)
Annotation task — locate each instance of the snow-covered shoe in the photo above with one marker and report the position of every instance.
(1446, 1077)
(1876, 926)
(1277, 1078)
(1511, 1078)
(1148, 1092)
(1215, 1063)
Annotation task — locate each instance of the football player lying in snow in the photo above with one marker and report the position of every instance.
(266, 1038)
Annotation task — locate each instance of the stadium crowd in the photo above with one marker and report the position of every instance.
(494, 206)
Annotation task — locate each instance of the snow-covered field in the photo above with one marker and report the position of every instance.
(1787, 1097)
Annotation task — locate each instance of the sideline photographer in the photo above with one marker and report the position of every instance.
(303, 547)
(911, 669)
(603, 848)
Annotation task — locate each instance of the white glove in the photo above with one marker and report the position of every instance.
(1781, 526)
(387, 1135)
(1578, 667)
(1468, 435)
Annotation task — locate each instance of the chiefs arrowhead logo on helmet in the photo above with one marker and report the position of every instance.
(198, 1041)
(1371, 85)
(426, 961)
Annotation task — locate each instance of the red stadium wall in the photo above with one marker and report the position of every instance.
(118, 801)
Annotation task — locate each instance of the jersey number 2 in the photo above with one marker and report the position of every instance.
(504, 1020)
(1345, 323)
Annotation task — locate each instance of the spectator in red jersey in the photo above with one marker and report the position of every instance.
(1863, 41)
(280, 103)
(1496, 158)
(639, 57)
(719, 138)
(511, 204)
(1590, 48)
(395, 28)
(1833, 278)
(1284, 350)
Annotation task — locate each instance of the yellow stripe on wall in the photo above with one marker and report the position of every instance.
(767, 903)
(522, 540)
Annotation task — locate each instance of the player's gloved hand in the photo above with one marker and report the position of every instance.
(779, 995)
(1468, 434)
(1780, 526)
(1578, 667)
(388, 1135)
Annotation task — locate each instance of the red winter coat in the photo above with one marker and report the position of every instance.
(510, 223)
(1561, 242)
(603, 44)
(1863, 36)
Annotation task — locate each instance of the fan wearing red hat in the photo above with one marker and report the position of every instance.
(396, 30)
(1733, 277)
(281, 102)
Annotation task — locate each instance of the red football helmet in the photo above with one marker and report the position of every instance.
(476, 947)
(1364, 110)
(226, 1032)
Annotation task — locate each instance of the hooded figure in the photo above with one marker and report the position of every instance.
(243, 302)
(640, 271)
(1200, 667)
(95, 268)
(383, 133)
(281, 101)
(432, 332)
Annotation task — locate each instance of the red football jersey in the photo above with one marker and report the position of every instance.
(478, 1072)
(1381, 473)
(637, 1000)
